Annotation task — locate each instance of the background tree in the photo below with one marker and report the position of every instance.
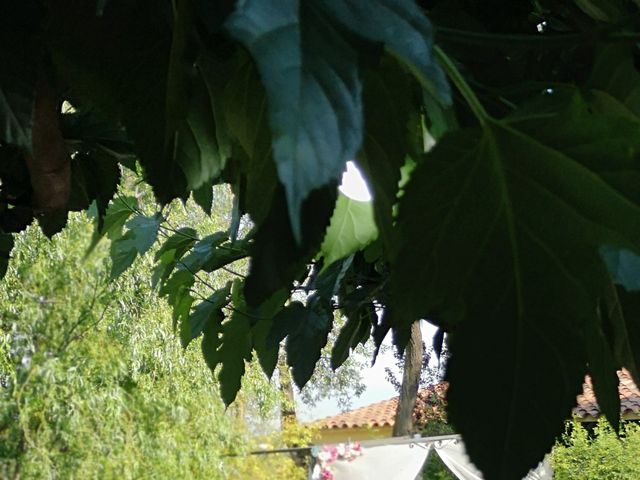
(412, 368)
(93, 383)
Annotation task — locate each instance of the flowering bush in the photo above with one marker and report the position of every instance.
(329, 454)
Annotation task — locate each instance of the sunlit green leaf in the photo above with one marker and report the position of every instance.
(352, 228)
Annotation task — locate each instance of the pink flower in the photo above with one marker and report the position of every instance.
(326, 475)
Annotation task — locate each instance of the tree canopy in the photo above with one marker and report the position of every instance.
(500, 142)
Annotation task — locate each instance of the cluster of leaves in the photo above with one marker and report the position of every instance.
(597, 453)
(511, 233)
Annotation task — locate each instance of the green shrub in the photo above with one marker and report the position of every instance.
(584, 455)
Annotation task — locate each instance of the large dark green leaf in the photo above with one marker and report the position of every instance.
(593, 128)
(228, 345)
(203, 196)
(403, 29)
(94, 177)
(197, 145)
(214, 252)
(246, 116)
(20, 51)
(277, 258)
(177, 289)
(306, 331)
(328, 281)
(227, 253)
(309, 70)
(203, 313)
(117, 214)
(388, 111)
(171, 251)
(261, 321)
(348, 338)
(304, 345)
(202, 251)
(127, 81)
(502, 232)
(615, 73)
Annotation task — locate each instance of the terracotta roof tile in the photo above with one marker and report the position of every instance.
(629, 398)
(379, 414)
(382, 414)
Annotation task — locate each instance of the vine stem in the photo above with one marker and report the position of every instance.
(461, 84)
(535, 40)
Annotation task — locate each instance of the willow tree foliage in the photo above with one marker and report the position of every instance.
(517, 233)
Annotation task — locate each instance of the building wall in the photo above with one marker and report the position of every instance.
(343, 435)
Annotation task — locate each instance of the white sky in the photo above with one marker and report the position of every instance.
(353, 185)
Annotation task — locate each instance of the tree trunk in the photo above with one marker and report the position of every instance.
(50, 164)
(410, 382)
(288, 404)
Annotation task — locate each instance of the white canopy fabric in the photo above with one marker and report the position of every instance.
(454, 456)
(404, 461)
(388, 462)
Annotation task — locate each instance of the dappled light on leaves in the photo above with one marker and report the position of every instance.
(499, 195)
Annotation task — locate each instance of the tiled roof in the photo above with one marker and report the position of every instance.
(382, 414)
(587, 407)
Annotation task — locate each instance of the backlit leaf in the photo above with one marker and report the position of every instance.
(306, 331)
(351, 228)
